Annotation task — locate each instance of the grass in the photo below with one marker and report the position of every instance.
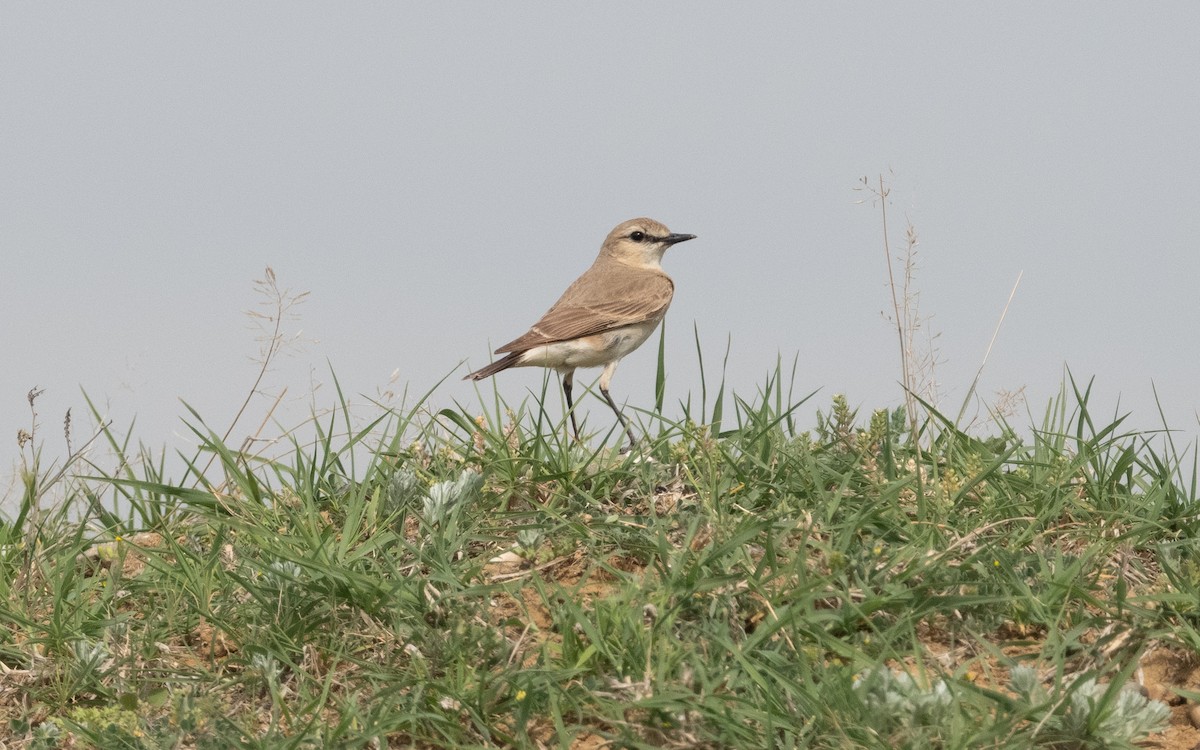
(460, 579)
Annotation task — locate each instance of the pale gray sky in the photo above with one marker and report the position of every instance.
(435, 174)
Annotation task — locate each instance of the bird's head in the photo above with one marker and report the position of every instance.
(641, 243)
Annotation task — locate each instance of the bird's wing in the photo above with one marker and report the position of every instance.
(587, 307)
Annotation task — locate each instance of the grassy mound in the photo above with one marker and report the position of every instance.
(466, 580)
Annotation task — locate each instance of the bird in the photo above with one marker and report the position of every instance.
(605, 314)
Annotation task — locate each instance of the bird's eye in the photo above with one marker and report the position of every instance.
(638, 236)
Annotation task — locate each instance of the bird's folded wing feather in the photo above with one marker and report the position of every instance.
(587, 308)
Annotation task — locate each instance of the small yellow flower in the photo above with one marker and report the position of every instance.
(996, 563)
(520, 695)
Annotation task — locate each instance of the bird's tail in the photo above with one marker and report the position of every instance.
(495, 367)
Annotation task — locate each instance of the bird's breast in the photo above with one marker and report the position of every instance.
(621, 341)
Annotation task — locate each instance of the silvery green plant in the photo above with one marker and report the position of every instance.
(47, 735)
(90, 659)
(404, 489)
(528, 541)
(1094, 715)
(448, 496)
(282, 573)
(266, 665)
(1025, 684)
(270, 670)
(900, 701)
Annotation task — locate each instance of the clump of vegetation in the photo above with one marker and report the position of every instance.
(480, 580)
(1087, 714)
(898, 703)
(1093, 715)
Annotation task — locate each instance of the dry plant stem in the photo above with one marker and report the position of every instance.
(909, 400)
(274, 343)
(37, 489)
(32, 491)
(916, 364)
(249, 441)
(71, 459)
(272, 347)
(986, 354)
(35, 498)
(262, 425)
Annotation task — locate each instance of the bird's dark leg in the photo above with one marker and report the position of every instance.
(568, 382)
(620, 417)
(605, 379)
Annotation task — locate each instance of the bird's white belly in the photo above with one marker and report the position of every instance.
(590, 351)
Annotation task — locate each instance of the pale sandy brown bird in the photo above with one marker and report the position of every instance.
(605, 314)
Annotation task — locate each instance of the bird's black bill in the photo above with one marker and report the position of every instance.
(672, 239)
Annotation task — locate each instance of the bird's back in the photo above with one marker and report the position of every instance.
(608, 295)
